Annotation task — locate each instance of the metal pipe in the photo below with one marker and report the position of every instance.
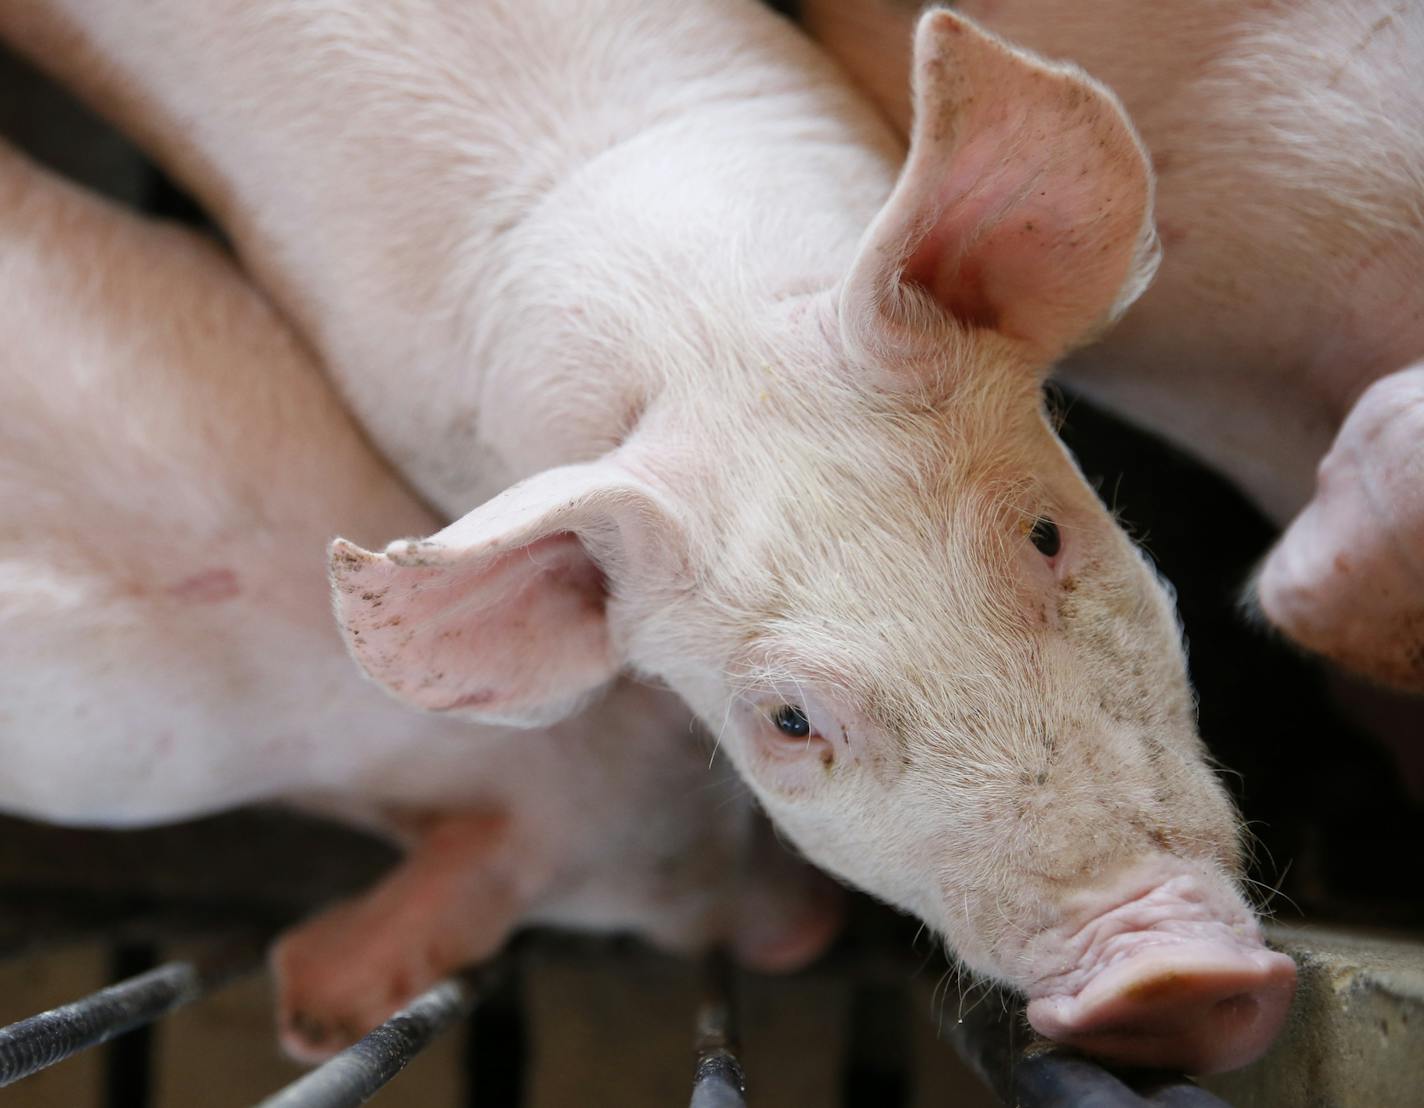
(1054, 1080)
(39, 1041)
(1181, 1093)
(1023, 1070)
(359, 1071)
(718, 1080)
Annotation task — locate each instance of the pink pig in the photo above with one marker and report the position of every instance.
(1288, 141)
(772, 426)
(172, 465)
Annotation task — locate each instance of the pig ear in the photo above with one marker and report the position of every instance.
(502, 616)
(1025, 206)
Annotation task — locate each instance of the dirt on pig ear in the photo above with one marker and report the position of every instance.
(502, 617)
(1024, 208)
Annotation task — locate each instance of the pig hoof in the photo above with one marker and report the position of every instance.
(325, 1002)
(306, 1039)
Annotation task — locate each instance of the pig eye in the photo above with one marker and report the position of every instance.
(791, 720)
(1045, 537)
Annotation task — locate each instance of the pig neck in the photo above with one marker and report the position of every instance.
(423, 187)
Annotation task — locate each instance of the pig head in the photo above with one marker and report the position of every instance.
(843, 530)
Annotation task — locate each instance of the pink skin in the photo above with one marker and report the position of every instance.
(1172, 976)
(450, 903)
(539, 292)
(1176, 977)
(471, 878)
(1347, 577)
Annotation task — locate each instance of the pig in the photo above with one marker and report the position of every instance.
(1283, 341)
(172, 464)
(732, 403)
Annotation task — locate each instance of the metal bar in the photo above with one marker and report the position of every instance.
(39, 1041)
(993, 1038)
(359, 1071)
(1182, 1093)
(718, 1080)
(1053, 1081)
(1050, 1080)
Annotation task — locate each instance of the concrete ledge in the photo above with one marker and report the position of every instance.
(1356, 1033)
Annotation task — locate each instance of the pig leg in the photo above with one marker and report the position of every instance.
(451, 902)
(1347, 578)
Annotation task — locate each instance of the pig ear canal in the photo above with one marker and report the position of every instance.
(503, 616)
(1024, 208)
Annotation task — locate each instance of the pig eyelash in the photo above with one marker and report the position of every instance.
(1046, 537)
(791, 721)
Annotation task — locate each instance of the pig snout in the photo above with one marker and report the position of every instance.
(1175, 977)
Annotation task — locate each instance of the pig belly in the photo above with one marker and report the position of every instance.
(171, 466)
(116, 713)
